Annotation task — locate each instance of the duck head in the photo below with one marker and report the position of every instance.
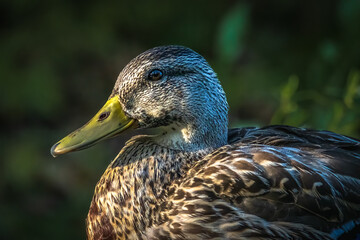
(171, 88)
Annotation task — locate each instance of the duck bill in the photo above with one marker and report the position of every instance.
(108, 122)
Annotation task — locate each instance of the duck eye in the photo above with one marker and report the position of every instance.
(103, 116)
(155, 75)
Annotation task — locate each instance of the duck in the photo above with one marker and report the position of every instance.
(195, 178)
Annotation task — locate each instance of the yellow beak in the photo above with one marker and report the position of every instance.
(108, 122)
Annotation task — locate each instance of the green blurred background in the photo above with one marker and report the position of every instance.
(280, 62)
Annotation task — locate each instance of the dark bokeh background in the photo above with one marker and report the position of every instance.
(280, 62)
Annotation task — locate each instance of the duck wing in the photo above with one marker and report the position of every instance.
(343, 152)
(276, 182)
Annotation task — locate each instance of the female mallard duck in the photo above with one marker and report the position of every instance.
(198, 180)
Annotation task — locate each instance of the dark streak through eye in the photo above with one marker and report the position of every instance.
(103, 116)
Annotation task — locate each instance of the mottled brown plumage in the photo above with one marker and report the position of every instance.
(197, 180)
(268, 184)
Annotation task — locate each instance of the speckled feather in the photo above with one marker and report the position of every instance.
(197, 180)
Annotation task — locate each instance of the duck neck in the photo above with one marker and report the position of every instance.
(193, 137)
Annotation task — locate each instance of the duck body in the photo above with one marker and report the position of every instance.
(277, 182)
(196, 179)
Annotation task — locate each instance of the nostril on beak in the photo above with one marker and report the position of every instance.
(103, 116)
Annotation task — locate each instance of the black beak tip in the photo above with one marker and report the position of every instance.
(52, 150)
